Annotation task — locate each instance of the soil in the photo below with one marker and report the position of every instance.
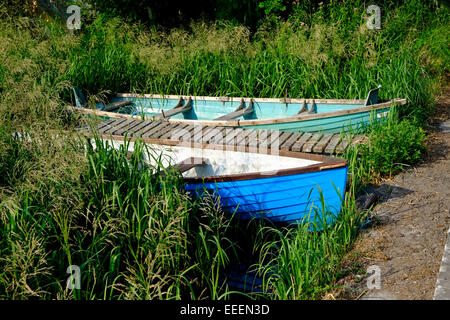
(411, 221)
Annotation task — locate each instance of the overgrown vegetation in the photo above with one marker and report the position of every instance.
(133, 232)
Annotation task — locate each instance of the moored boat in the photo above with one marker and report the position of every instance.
(286, 114)
(282, 186)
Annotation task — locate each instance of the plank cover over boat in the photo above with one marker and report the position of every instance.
(283, 187)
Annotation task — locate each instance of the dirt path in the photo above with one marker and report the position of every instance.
(413, 218)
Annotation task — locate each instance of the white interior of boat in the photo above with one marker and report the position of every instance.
(219, 162)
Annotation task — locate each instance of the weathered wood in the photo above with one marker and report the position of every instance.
(298, 145)
(212, 133)
(128, 127)
(242, 140)
(105, 123)
(232, 136)
(342, 146)
(111, 125)
(123, 127)
(176, 110)
(158, 126)
(158, 134)
(240, 111)
(283, 136)
(308, 146)
(219, 137)
(190, 163)
(320, 146)
(141, 124)
(151, 124)
(286, 146)
(303, 108)
(261, 136)
(116, 105)
(332, 144)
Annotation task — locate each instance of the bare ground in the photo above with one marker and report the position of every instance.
(412, 220)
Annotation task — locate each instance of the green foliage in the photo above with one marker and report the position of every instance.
(393, 144)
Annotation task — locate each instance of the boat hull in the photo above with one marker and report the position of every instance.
(287, 199)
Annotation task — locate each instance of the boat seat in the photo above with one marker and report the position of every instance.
(179, 108)
(240, 111)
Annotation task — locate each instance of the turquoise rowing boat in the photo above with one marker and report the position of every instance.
(306, 115)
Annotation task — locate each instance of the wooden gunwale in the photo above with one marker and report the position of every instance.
(327, 163)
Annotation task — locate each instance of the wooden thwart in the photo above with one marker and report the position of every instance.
(240, 111)
(179, 108)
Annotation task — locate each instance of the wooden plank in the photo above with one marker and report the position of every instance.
(286, 146)
(141, 124)
(150, 124)
(333, 143)
(189, 128)
(342, 146)
(114, 129)
(231, 137)
(105, 123)
(212, 133)
(128, 127)
(309, 145)
(261, 136)
(111, 125)
(155, 127)
(298, 145)
(240, 111)
(188, 164)
(320, 146)
(176, 110)
(172, 132)
(167, 129)
(116, 105)
(242, 140)
(284, 136)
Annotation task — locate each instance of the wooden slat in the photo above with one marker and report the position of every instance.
(159, 133)
(119, 126)
(212, 133)
(125, 129)
(309, 145)
(240, 111)
(105, 123)
(298, 145)
(142, 124)
(320, 146)
(190, 163)
(232, 136)
(155, 127)
(284, 135)
(171, 132)
(286, 146)
(189, 128)
(111, 125)
(150, 125)
(342, 145)
(242, 140)
(259, 138)
(332, 144)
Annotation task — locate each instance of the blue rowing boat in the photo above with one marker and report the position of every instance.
(306, 115)
(281, 186)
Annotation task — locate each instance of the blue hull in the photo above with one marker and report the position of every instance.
(288, 198)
